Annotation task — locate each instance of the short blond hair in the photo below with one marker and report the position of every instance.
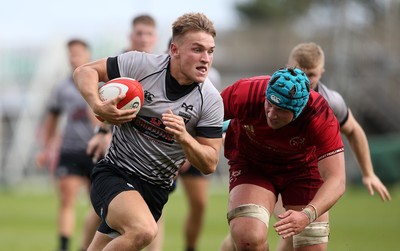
(192, 22)
(307, 56)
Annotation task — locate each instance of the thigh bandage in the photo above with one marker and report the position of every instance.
(315, 233)
(250, 210)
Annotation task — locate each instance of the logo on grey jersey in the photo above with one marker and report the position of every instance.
(186, 114)
(187, 107)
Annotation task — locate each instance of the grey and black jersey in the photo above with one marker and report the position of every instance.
(335, 101)
(67, 100)
(143, 147)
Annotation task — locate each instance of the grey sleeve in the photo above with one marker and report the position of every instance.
(121, 66)
(128, 63)
(54, 103)
(339, 107)
(212, 115)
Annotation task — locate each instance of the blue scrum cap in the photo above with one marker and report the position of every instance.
(289, 88)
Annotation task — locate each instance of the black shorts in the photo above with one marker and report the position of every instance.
(79, 164)
(190, 172)
(109, 180)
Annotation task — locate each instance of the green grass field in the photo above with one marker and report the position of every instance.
(358, 221)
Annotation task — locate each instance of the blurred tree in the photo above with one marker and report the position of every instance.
(272, 10)
(256, 11)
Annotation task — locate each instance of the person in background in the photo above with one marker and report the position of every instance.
(311, 59)
(180, 119)
(143, 34)
(283, 139)
(74, 166)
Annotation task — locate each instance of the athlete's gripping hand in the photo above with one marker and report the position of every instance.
(291, 223)
(175, 125)
(108, 111)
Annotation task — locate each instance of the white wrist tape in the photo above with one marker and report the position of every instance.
(312, 214)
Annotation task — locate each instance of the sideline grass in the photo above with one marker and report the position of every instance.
(358, 221)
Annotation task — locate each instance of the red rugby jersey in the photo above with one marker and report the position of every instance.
(314, 135)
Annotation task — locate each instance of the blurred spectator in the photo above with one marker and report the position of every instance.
(74, 166)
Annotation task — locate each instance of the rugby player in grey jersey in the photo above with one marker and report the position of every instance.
(181, 119)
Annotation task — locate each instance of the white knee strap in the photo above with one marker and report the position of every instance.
(315, 233)
(250, 210)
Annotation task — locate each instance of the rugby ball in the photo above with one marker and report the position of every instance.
(128, 86)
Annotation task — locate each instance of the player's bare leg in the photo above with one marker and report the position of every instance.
(69, 187)
(283, 244)
(157, 243)
(227, 244)
(249, 207)
(196, 191)
(129, 215)
(90, 226)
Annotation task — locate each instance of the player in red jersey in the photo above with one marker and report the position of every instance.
(282, 139)
(311, 59)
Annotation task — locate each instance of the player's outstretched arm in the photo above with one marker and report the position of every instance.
(359, 145)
